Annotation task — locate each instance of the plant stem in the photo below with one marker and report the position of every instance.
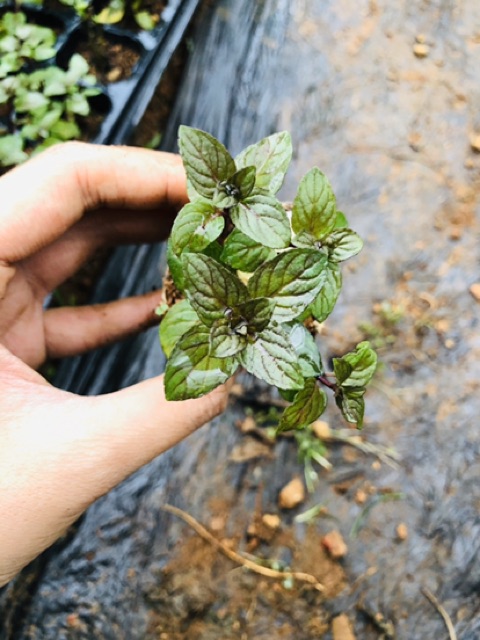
(326, 382)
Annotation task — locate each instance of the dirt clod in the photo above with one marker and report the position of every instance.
(475, 291)
(402, 532)
(321, 429)
(421, 50)
(342, 628)
(271, 520)
(335, 544)
(292, 494)
(475, 142)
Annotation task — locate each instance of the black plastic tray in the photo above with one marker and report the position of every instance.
(124, 102)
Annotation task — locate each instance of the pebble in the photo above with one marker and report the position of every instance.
(342, 629)
(271, 520)
(292, 494)
(421, 50)
(321, 429)
(360, 496)
(402, 532)
(335, 544)
(475, 291)
(475, 142)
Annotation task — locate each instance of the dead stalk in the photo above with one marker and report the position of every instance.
(236, 557)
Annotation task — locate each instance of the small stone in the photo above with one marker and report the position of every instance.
(377, 465)
(237, 390)
(271, 520)
(415, 141)
(455, 233)
(443, 325)
(292, 494)
(321, 429)
(475, 142)
(217, 523)
(449, 343)
(475, 291)
(248, 425)
(342, 628)
(114, 74)
(421, 38)
(421, 50)
(335, 544)
(402, 532)
(361, 496)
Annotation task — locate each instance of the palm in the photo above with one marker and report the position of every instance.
(59, 237)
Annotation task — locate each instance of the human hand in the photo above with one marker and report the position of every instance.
(60, 452)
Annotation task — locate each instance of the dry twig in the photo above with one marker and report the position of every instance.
(236, 557)
(446, 618)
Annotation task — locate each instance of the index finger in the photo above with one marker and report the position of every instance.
(41, 199)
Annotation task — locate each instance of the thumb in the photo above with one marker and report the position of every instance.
(60, 452)
(136, 424)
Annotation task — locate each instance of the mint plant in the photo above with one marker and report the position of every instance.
(38, 106)
(250, 278)
(21, 42)
(112, 13)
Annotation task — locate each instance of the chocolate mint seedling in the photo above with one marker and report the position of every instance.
(250, 277)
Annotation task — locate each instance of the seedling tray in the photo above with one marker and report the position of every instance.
(122, 102)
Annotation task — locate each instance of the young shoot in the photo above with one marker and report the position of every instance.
(251, 279)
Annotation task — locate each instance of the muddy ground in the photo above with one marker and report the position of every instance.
(385, 98)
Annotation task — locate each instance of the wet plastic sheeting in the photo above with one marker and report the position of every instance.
(391, 129)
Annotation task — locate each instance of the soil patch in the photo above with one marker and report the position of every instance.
(111, 59)
(202, 594)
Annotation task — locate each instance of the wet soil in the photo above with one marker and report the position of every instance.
(392, 125)
(110, 59)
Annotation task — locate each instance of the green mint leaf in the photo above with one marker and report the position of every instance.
(214, 250)
(224, 341)
(304, 240)
(324, 303)
(306, 350)
(263, 219)
(178, 320)
(206, 160)
(175, 267)
(343, 244)
(342, 369)
(272, 359)
(243, 253)
(288, 394)
(211, 288)
(308, 405)
(257, 313)
(271, 157)
(352, 405)
(341, 220)
(244, 180)
(314, 206)
(236, 188)
(195, 227)
(191, 371)
(362, 364)
(292, 279)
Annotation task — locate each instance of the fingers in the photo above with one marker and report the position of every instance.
(138, 423)
(59, 453)
(55, 188)
(55, 263)
(70, 331)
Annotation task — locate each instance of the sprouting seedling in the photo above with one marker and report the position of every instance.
(252, 278)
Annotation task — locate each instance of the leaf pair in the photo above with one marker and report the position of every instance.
(248, 293)
(245, 186)
(316, 222)
(353, 373)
